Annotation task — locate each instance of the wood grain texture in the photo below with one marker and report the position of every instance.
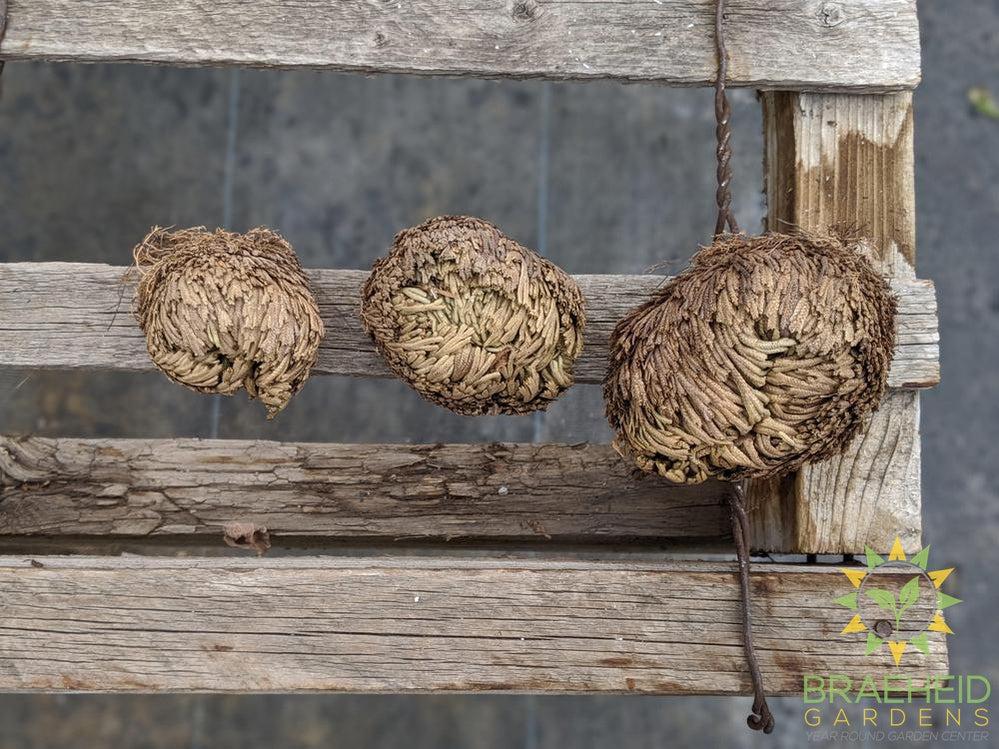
(798, 44)
(95, 624)
(840, 160)
(69, 315)
(187, 487)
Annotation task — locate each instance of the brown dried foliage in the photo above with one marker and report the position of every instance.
(223, 311)
(472, 320)
(767, 353)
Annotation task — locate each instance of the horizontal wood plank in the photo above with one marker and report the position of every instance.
(92, 624)
(189, 487)
(70, 315)
(861, 45)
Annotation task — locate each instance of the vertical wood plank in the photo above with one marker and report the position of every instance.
(846, 161)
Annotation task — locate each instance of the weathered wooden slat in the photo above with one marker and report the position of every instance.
(186, 487)
(104, 624)
(847, 160)
(67, 315)
(795, 44)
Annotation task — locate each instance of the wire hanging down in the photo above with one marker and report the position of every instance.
(761, 719)
(3, 29)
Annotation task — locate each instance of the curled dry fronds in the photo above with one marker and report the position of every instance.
(222, 311)
(769, 352)
(472, 320)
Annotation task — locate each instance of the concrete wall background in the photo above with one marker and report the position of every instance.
(600, 178)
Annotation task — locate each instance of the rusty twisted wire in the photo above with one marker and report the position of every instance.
(3, 30)
(723, 131)
(761, 718)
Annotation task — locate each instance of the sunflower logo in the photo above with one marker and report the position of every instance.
(897, 601)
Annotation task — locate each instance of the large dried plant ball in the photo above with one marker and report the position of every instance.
(223, 311)
(767, 353)
(472, 320)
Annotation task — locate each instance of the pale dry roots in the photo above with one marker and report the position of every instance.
(769, 352)
(222, 311)
(472, 320)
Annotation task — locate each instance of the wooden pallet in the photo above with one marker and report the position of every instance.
(502, 567)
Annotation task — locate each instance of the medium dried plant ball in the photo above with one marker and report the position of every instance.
(472, 320)
(223, 311)
(767, 353)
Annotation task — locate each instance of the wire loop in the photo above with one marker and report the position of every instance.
(761, 719)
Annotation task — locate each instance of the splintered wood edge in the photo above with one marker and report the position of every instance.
(77, 315)
(133, 624)
(862, 45)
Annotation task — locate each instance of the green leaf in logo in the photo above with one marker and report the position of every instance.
(922, 557)
(909, 594)
(873, 642)
(849, 600)
(921, 643)
(944, 600)
(873, 558)
(883, 598)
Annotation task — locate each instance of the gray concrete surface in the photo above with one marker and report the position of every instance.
(601, 178)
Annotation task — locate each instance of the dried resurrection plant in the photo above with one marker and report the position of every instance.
(473, 320)
(767, 353)
(223, 311)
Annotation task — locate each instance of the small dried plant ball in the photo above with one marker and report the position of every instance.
(472, 320)
(767, 353)
(223, 311)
